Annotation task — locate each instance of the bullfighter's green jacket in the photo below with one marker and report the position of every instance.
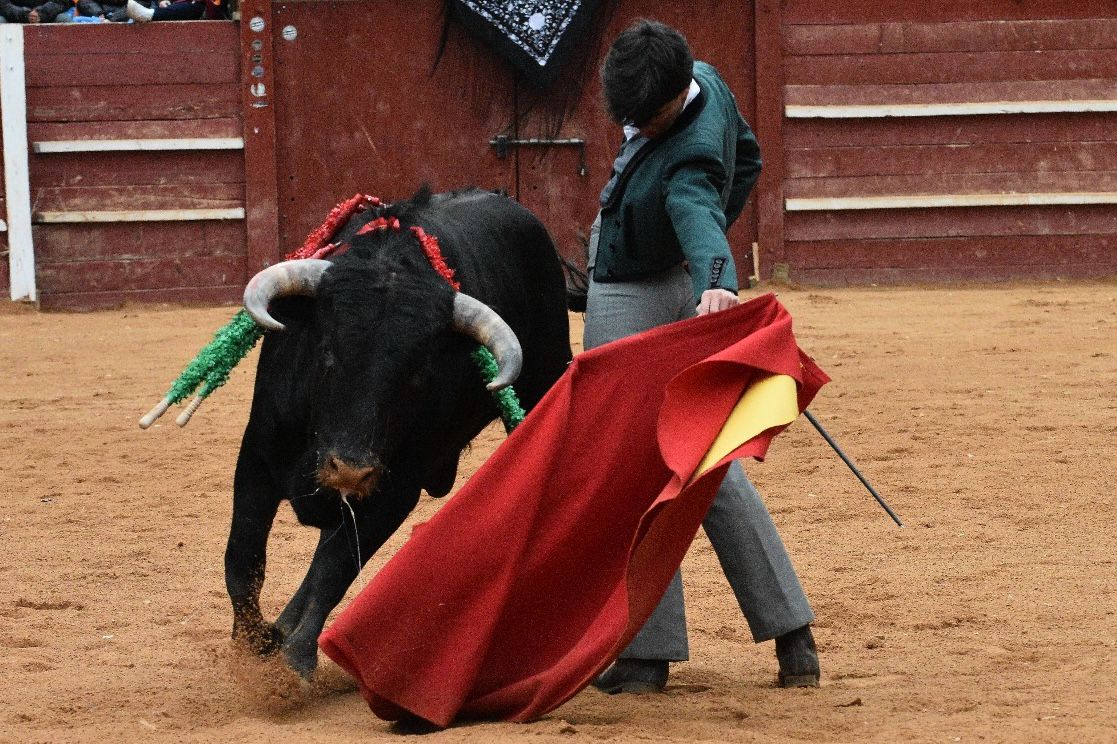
(680, 193)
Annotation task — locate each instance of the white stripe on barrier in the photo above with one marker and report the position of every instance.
(919, 201)
(139, 145)
(982, 108)
(140, 215)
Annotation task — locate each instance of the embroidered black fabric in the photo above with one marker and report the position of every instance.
(536, 36)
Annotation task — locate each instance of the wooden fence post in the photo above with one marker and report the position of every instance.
(261, 198)
(17, 183)
(769, 133)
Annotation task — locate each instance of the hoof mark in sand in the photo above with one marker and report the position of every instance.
(59, 604)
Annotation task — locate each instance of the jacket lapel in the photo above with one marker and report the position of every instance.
(689, 114)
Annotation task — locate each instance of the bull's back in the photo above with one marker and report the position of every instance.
(488, 214)
(494, 244)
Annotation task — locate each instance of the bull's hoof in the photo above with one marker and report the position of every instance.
(303, 659)
(798, 657)
(263, 639)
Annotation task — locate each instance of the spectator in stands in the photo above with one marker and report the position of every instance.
(31, 11)
(90, 11)
(109, 10)
(55, 11)
(182, 10)
(10, 12)
(114, 10)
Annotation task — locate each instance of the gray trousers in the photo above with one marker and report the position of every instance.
(750, 551)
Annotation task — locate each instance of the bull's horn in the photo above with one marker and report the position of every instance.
(481, 323)
(299, 277)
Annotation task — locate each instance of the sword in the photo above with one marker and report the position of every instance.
(830, 440)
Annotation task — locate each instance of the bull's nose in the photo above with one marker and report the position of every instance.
(347, 478)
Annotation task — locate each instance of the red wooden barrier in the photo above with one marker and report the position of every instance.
(889, 53)
(325, 108)
(115, 83)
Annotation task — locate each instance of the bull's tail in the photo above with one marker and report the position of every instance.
(577, 285)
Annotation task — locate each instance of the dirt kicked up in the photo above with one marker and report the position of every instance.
(987, 417)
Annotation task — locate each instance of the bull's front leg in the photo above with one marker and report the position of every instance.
(254, 509)
(335, 565)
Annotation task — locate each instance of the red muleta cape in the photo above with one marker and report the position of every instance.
(542, 568)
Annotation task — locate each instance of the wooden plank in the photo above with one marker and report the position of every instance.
(138, 168)
(946, 275)
(768, 194)
(932, 183)
(137, 145)
(1015, 251)
(59, 243)
(138, 197)
(960, 36)
(17, 184)
(67, 242)
(952, 93)
(149, 273)
(133, 102)
(137, 215)
(94, 42)
(957, 222)
(886, 11)
(915, 69)
(937, 201)
(952, 158)
(948, 109)
(82, 301)
(229, 126)
(128, 69)
(1038, 128)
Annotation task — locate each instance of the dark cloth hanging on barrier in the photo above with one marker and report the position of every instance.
(536, 36)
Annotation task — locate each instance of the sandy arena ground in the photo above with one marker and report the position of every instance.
(986, 416)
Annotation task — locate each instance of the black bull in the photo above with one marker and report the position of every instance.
(369, 396)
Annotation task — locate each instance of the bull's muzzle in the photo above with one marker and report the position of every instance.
(347, 478)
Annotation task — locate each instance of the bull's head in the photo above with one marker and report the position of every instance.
(369, 363)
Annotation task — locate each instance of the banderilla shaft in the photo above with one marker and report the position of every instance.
(830, 440)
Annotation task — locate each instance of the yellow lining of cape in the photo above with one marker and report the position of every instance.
(772, 401)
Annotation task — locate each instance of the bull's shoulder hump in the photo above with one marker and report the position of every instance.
(469, 194)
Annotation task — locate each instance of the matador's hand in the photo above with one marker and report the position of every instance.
(716, 300)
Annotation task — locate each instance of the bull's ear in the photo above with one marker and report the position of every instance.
(293, 312)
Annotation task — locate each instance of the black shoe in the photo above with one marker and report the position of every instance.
(412, 725)
(633, 675)
(798, 657)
